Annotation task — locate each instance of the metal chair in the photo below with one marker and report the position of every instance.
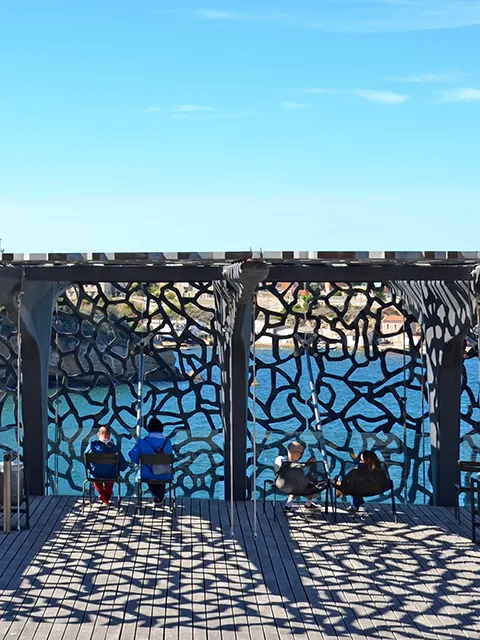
(157, 459)
(387, 445)
(464, 466)
(100, 458)
(391, 488)
(11, 456)
(330, 498)
(474, 508)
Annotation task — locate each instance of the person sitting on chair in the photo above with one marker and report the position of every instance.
(290, 477)
(155, 442)
(104, 444)
(368, 478)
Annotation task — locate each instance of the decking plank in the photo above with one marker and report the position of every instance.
(429, 556)
(139, 569)
(235, 624)
(407, 607)
(368, 544)
(31, 594)
(413, 591)
(264, 625)
(301, 599)
(57, 582)
(21, 539)
(116, 524)
(106, 577)
(123, 569)
(158, 596)
(94, 538)
(209, 553)
(223, 596)
(35, 512)
(184, 596)
(318, 540)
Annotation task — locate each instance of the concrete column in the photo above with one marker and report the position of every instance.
(38, 301)
(238, 423)
(445, 311)
(445, 421)
(235, 363)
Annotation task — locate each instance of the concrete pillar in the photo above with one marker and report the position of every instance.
(38, 301)
(235, 323)
(445, 311)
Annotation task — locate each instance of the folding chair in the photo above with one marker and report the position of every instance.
(382, 447)
(464, 466)
(474, 507)
(157, 459)
(99, 458)
(323, 475)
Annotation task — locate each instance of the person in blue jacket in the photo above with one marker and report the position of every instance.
(155, 442)
(104, 444)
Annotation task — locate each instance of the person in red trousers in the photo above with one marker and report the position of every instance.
(104, 444)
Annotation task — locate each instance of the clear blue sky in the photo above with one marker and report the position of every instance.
(289, 124)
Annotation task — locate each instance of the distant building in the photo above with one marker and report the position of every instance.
(392, 329)
(391, 324)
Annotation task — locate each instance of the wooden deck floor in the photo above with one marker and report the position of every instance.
(105, 576)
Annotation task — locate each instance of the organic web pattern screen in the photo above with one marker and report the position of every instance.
(368, 371)
(98, 331)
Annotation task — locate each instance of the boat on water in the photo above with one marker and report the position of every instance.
(324, 347)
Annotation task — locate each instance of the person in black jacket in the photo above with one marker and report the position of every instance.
(368, 478)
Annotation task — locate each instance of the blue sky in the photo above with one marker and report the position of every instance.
(294, 124)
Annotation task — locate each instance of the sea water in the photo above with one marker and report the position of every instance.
(273, 408)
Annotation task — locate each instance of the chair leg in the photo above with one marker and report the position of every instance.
(457, 508)
(334, 503)
(84, 487)
(327, 492)
(27, 510)
(394, 506)
(119, 496)
(472, 509)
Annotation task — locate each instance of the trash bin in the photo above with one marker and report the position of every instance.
(16, 468)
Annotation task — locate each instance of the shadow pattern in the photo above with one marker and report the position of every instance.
(8, 381)
(126, 575)
(96, 343)
(369, 372)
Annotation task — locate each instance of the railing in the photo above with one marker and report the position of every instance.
(370, 378)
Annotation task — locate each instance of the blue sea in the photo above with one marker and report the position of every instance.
(201, 454)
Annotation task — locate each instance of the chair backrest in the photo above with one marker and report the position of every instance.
(101, 458)
(317, 471)
(385, 445)
(466, 466)
(157, 458)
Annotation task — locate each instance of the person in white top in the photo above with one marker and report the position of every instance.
(290, 476)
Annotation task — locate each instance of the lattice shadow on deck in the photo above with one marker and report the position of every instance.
(109, 576)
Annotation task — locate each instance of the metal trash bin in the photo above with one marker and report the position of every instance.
(16, 468)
